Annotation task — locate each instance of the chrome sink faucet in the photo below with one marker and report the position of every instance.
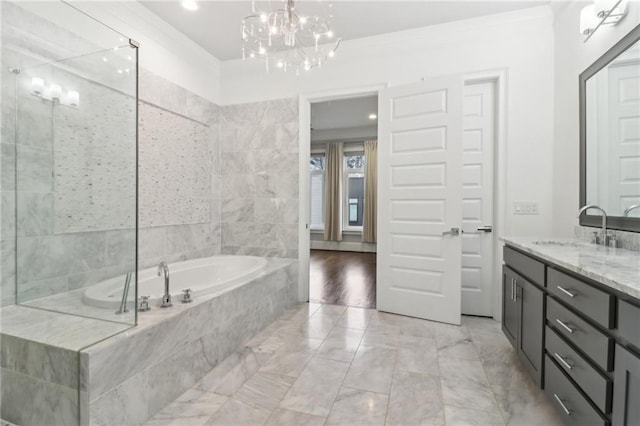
(604, 237)
(163, 268)
(630, 208)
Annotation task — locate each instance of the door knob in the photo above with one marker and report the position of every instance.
(480, 230)
(453, 231)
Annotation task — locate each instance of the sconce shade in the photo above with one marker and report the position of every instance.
(73, 98)
(588, 19)
(55, 92)
(602, 7)
(37, 86)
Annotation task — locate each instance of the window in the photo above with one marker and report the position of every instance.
(353, 191)
(316, 191)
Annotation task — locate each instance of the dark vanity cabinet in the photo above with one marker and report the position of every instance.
(579, 340)
(510, 307)
(523, 314)
(626, 390)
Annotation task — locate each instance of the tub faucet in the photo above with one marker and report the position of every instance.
(630, 208)
(604, 238)
(163, 268)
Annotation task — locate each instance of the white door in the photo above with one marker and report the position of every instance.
(419, 199)
(623, 143)
(477, 199)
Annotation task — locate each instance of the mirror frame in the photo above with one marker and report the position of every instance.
(622, 223)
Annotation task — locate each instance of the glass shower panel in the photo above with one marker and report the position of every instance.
(76, 186)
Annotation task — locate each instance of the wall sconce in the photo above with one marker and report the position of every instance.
(54, 93)
(602, 12)
(37, 86)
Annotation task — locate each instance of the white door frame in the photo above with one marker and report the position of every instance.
(304, 105)
(499, 77)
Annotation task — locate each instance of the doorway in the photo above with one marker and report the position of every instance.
(342, 208)
(488, 268)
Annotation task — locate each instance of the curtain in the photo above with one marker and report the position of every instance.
(332, 193)
(370, 191)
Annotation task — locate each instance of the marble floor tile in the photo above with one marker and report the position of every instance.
(356, 318)
(292, 357)
(316, 388)
(456, 343)
(322, 364)
(332, 309)
(481, 324)
(194, 407)
(358, 407)
(282, 416)
(462, 372)
(319, 325)
(415, 398)
(469, 417)
(265, 390)
(381, 337)
(371, 369)
(476, 397)
(235, 412)
(341, 344)
(419, 355)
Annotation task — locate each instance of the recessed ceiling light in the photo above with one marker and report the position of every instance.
(190, 4)
(372, 116)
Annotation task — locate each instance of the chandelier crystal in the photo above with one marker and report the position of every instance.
(286, 40)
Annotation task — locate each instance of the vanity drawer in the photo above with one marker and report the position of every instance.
(587, 338)
(524, 265)
(629, 323)
(575, 366)
(594, 303)
(574, 408)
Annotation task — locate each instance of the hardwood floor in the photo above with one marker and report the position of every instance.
(343, 278)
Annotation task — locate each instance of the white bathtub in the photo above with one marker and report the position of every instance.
(203, 276)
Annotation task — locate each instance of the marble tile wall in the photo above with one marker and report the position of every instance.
(259, 173)
(133, 376)
(626, 240)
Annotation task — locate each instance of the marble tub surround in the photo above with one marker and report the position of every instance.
(298, 369)
(626, 240)
(259, 174)
(135, 374)
(39, 363)
(617, 268)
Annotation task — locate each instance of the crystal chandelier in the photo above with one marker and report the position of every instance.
(286, 40)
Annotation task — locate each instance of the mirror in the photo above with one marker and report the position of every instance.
(610, 135)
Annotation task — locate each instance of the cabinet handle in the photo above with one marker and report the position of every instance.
(564, 407)
(567, 292)
(511, 289)
(565, 326)
(563, 361)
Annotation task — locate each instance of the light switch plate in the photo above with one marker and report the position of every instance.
(525, 207)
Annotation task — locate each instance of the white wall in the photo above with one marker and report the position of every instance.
(163, 50)
(571, 57)
(519, 43)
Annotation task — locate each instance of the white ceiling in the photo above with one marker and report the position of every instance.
(344, 113)
(216, 25)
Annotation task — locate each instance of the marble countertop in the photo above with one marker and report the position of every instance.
(614, 267)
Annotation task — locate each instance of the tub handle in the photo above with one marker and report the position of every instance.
(186, 296)
(143, 304)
